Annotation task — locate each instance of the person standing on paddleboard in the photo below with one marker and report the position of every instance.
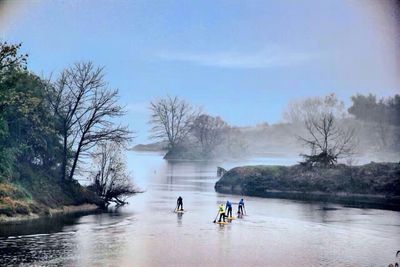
(221, 211)
(179, 203)
(240, 207)
(228, 208)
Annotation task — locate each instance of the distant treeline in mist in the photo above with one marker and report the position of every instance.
(369, 128)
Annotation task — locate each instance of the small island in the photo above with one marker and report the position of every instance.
(374, 184)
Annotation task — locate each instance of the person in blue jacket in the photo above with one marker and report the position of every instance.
(228, 208)
(240, 207)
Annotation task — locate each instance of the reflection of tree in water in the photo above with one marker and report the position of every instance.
(47, 241)
(40, 240)
(191, 175)
(103, 241)
(319, 212)
(45, 225)
(170, 172)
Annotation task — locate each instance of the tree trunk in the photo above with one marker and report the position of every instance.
(76, 157)
(65, 159)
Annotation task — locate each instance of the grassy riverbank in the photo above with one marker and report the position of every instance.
(374, 183)
(36, 193)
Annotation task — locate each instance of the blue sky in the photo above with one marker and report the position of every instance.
(242, 60)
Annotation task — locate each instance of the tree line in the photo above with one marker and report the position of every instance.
(322, 124)
(190, 133)
(381, 117)
(58, 125)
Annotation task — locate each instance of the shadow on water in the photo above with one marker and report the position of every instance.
(53, 238)
(56, 223)
(44, 225)
(27, 241)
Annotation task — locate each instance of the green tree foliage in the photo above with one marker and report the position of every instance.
(51, 126)
(10, 58)
(369, 108)
(46, 127)
(27, 130)
(381, 116)
(10, 61)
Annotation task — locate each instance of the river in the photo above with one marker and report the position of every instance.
(147, 232)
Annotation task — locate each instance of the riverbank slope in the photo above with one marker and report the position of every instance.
(376, 184)
(35, 193)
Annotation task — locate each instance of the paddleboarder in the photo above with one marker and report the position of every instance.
(221, 211)
(240, 207)
(179, 203)
(228, 209)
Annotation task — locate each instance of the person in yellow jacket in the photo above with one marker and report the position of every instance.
(221, 209)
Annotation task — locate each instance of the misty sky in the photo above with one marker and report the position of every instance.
(242, 60)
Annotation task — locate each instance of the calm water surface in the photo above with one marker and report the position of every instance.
(147, 233)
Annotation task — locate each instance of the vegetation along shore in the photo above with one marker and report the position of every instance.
(51, 130)
(373, 184)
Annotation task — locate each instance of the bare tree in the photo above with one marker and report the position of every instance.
(85, 106)
(297, 112)
(171, 120)
(110, 177)
(209, 132)
(328, 142)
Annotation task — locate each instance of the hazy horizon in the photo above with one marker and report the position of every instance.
(244, 64)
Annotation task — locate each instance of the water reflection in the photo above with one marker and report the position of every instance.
(46, 225)
(276, 232)
(35, 248)
(179, 217)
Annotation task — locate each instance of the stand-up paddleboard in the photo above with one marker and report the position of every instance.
(222, 223)
(179, 211)
(230, 218)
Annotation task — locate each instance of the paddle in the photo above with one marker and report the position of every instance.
(245, 212)
(176, 207)
(216, 217)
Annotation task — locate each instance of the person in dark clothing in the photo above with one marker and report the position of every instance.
(179, 204)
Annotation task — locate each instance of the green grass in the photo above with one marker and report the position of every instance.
(36, 191)
(14, 200)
